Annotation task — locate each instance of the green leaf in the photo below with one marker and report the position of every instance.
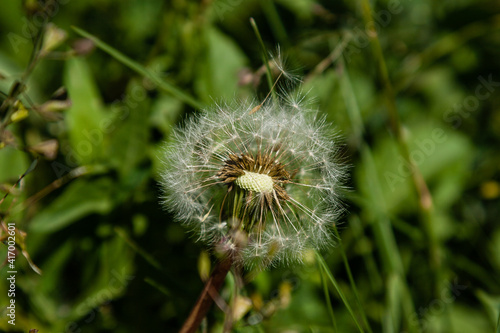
(42, 287)
(218, 76)
(129, 139)
(164, 113)
(81, 198)
(301, 8)
(13, 163)
(494, 246)
(138, 68)
(324, 266)
(111, 279)
(84, 118)
(459, 319)
(491, 303)
(436, 150)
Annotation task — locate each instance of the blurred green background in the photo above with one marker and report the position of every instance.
(112, 259)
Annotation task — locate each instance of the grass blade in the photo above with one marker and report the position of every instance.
(329, 274)
(351, 281)
(498, 323)
(328, 301)
(138, 68)
(265, 58)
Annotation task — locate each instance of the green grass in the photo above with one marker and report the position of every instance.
(418, 248)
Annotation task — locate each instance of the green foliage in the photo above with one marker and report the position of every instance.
(85, 114)
(80, 198)
(416, 105)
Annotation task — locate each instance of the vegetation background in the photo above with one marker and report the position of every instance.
(413, 86)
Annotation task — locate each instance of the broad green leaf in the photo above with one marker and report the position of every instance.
(435, 149)
(13, 163)
(114, 273)
(301, 8)
(81, 198)
(164, 113)
(463, 319)
(85, 117)
(491, 304)
(42, 288)
(129, 129)
(218, 70)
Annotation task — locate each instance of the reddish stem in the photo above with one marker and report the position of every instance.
(212, 286)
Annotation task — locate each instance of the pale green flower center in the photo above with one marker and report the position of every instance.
(256, 182)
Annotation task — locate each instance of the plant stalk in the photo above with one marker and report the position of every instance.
(212, 286)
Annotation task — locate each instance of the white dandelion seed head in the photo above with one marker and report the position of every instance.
(271, 175)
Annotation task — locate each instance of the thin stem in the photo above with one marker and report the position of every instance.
(265, 58)
(423, 193)
(442, 47)
(370, 262)
(212, 286)
(138, 68)
(18, 87)
(351, 281)
(384, 235)
(329, 274)
(143, 253)
(275, 22)
(498, 323)
(385, 238)
(328, 301)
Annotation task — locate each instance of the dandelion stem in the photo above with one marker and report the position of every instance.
(212, 286)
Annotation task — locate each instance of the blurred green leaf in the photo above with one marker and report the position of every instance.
(84, 118)
(42, 288)
(218, 71)
(141, 70)
(174, 57)
(435, 149)
(111, 280)
(13, 163)
(494, 249)
(492, 305)
(129, 129)
(164, 113)
(80, 198)
(463, 319)
(301, 8)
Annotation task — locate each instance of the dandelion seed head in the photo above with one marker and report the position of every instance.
(263, 186)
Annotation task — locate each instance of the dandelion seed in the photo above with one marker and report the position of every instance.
(265, 182)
